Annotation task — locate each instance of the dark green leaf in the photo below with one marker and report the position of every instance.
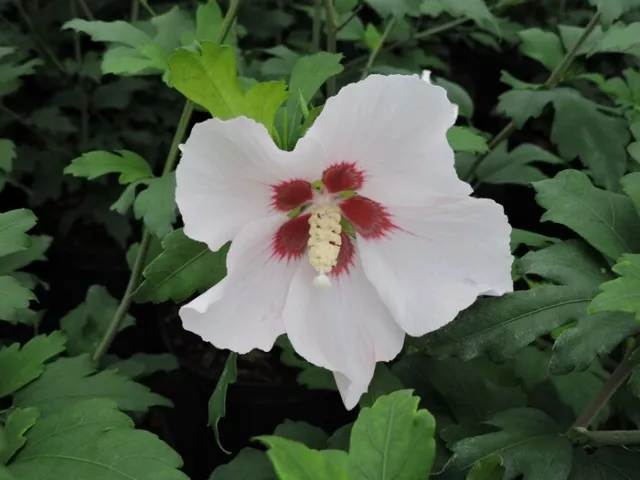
(312, 437)
(530, 239)
(490, 468)
(249, 464)
(621, 294)
(605, 464)
(14, 226)
(217, 403)
(612, 9)
(18, 422)
(156, 205)
(383, 383)
(457, 95)
(142, 364)
(542, 46)
(620, 39)
(14, 297)
(131, 166)
(38, 245)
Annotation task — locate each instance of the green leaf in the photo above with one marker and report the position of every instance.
(208, 21)
(392, 439)
(531, 239)
(131, 166)
(382, 383)
(604, 464)
(620, 39)
(291, 459)
(20, 366)
(13, 298)
(457, 95)
(371, 36)
(542, 46)
(91, 439)
(611, 10)
(631, 186)
(529, 442)
(7, 156)
(464, 139)
(39, 244)
(311, 376)
(249, 464)
(477, 10)
(13, 227)
(19, 421)
(621, 294)
(141, 365)
(69, 380)
(208, 78)
(501, 326)
(263, 100)
(312, 437)
(51, 119)
(184, 267)
(593, 336)
(521, 105)
(308, 75)
(606, 220)
(87, 324)
(117, 32)
(156, 205)
(490, 468)
(217, 403)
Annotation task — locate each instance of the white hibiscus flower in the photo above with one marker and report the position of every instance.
(377, 156)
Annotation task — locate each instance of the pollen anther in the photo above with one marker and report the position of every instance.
(324, 241)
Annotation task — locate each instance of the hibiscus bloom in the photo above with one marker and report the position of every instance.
(375, 162)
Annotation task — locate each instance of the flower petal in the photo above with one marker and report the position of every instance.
(439, 260)
(226, 177)
(244, 311)
(394, 129)
(345, 328)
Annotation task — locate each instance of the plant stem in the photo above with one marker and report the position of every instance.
(46, 51)
(135, 10)
(317, 25)
(607, 437)
(552, 81)
(617, 378)
(331, 40)
(350, 17)
(147, 7)
(378, 47)
(84, 101)
(87, 11)
(172, 157)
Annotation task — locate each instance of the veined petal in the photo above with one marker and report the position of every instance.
(392, 128)
(439, 260)
(345, 328)
(244, 311)
(226, 178)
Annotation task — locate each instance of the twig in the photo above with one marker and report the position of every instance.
(135, 10)
(331, 26)
(606, 437)
(46, 51)
(351, 16)
(317, 25)
(86, 10)
(378, 47)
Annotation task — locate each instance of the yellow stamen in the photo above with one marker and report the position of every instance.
(324, 241)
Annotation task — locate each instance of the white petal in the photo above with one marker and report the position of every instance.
(426, 76)
(394, 128)
(441, 259)
(345, 328)
(244, 311)
(224, 178)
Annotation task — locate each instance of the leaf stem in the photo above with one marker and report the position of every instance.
(606, 437)
(331, 26)
(615, 381)
(172, 157)
(552, 81)
(317, 25)
(148, 8)
(378, 47)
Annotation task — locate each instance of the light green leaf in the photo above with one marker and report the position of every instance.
(68, 381)
(249, 464)
(208, 21)
(131, 166)
(464, 139)
(87, 324)
(20, 366)
(208, 78)
(457, 95)
(13, 227)
(593, 336)
(606, 220)
(91, 439)
(392, 439)
(17, 423)
(542, 46)
(217, 403)
(308, 75)
(529, 442)
(604, 464)
(620, 39)
(490, 468)
(501, 326)
(611, 10)
(116, 32)
(156, 205)
(263, 100)
(312, 437)
(382, 383)
(13, 298)
(184, 267)
(621, 294)
(291, 459)
(371, 36)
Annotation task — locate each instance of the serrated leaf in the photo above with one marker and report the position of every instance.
(542, 46)
(263, 100)
(382, 383)
(477, 10)
(621, 294)
(87, 324)
(13, 298)
(184, 267)
(531, 239)
(457, 95)
(13, 227)
(604, 464)
(631, 186)
(294, 460)
(20, 366)
(92, 439)
(217, 403)
(463, 139)
(501, 326)
(249, 464)
(392, 439)
(620, 39)
(38, 245)
(17, 423)
(116, 32)
(141, 365)
(208, 78)
(529, 442)
(606, 220)
(612, 9)
(68, 381)
(156, 205)
(520, 105)
(131, 166)
(312, 437)
(593, 336)
(308, 75)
